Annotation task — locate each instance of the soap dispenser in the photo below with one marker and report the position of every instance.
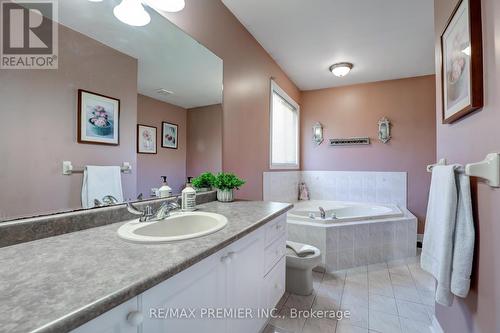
(188, 197)
(164, 191)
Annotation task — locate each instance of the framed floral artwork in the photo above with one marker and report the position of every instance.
(169, 135)
(462, 62)
(146, 139)
(98, 119)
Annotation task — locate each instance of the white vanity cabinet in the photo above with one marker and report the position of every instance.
(200, 286)
(244, 283)
(247, 274)
(115, 320)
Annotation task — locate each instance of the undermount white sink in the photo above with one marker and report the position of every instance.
(178, 226)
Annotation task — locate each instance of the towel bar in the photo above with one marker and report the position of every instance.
(487, 169)
(68, 169)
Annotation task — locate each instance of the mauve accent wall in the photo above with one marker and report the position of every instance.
(168, 162)
(469, 140)
(204, 140)
(247, 73)
(38, 123)
(355, 111)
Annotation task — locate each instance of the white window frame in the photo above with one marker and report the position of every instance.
(275, 88)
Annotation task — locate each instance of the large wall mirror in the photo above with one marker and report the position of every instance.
(150, 96)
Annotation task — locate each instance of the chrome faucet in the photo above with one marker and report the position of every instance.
(322, 213)
(149, 215)
(109, 200)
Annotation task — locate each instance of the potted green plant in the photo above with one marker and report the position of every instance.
(225, 183)
(203, 182)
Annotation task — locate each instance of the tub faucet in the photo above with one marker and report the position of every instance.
(322, 213)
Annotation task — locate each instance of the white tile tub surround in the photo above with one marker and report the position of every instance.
(353, 244)
(359, 186)
(282, 186)
(350, 244)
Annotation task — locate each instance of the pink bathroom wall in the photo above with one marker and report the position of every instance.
(167, 162)
(355, 111)
(38, 110)
(247, 73)
(469, 140)
(204, 140)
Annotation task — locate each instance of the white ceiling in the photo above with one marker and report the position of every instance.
(167, 57)
(384, 39)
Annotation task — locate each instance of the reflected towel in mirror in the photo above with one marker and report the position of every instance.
(100, 181)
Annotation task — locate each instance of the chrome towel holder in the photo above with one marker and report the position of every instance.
(487, 169)
(68, 169)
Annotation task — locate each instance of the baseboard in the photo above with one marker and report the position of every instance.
(435, 326)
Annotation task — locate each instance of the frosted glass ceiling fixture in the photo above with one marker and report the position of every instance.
(171, 6)
(132, 13)
(341, 69)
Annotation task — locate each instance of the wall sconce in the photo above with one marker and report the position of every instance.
(318, 133)
(384, 130)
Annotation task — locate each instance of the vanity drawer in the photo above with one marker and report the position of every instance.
(275, 229)
(274, 284)
(274, 253)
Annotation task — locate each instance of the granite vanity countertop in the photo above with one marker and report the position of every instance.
(56, 284)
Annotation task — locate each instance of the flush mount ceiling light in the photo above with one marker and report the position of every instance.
(171, 6)
(132, 13)
(341, 69)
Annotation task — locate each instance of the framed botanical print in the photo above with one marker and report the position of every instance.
(462, 62)
(169, 135)
(98, 119)
(146, 139)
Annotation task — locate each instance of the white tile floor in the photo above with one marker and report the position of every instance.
(396, 296)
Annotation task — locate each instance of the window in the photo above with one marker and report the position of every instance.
(284, 130)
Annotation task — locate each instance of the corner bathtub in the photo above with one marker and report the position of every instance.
(354, 233)
(339, 211)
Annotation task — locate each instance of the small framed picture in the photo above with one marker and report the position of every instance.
(146, 139)
(98, 119)
(169, 135)
(462, 62)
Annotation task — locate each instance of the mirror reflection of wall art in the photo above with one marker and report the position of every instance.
(146, 139)
(98, 118)
(462, 67)
(169, 135)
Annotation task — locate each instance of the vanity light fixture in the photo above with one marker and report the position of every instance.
(341, 69)
(318, 133)
(132, 13)
(171, 6)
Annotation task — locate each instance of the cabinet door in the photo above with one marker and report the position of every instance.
(245, 281)
(115, 320)
(202, 286)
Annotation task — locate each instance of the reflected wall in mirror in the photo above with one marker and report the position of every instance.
(157, 72)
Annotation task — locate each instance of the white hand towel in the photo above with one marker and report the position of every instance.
(448, 245)
(99, 181)
(300, 250)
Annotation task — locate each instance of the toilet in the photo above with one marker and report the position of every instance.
(299, 279)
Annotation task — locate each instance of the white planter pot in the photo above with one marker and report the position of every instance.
(225, 195)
